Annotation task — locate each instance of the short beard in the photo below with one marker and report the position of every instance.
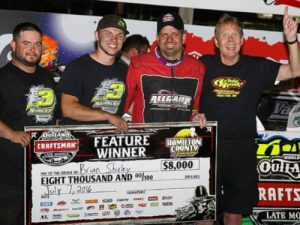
(106, 52)
(23, 61)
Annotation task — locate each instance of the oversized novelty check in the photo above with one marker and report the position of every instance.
(154, 173)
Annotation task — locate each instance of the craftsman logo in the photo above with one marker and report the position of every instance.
(56, 147)
(279, 194)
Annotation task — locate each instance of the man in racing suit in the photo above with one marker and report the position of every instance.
(165, 85)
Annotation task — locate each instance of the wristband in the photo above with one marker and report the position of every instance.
(292, 42)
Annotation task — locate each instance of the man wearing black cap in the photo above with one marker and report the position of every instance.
(165, 85)
(93, 87)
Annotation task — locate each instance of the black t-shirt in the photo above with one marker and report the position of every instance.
(25, 100)
(231, 93)
(96, 86)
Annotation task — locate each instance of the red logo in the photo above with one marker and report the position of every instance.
(55, 145)
(295, 3)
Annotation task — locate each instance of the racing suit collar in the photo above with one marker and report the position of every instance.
(166, 62)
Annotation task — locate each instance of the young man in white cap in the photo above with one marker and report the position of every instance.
(93, 86)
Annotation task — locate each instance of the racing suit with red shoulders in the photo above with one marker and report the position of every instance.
(161, 90)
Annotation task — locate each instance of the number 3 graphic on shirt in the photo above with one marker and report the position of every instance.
(117, 91)
(47, 98)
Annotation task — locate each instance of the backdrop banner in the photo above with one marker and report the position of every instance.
(253, 6)
(278, 156)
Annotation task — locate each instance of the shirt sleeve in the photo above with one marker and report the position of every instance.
(200, 72)
(271, 70)
(131, 85)
(71, 81)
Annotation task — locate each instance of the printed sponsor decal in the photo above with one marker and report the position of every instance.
(44, 210)
(108, 95)
(41, 103)
(167, 197)
(57, 216)
(91, 207)
(154, 204)
(276, 146)
(44, 217)
(75, 201)
(46, 203)
(138, 212)
(167, 203)
(106, 213)
(270, 216)
(127, 212)
(61, 203)
(117, 212)
(112, 206)
(138, 199)
(90, 214)
(186, 143)
(127, 206)
(122, 200)
(91, 201)
(288, 169)
(77, 208)
(279, 194)
(142, 204)
(130, 192)
(73, 215)
(152, 198)
(56, 148)
(227, 86)
(60, 209)
(168, 99)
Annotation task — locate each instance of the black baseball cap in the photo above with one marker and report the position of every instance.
(112, 20)
(169, 19)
